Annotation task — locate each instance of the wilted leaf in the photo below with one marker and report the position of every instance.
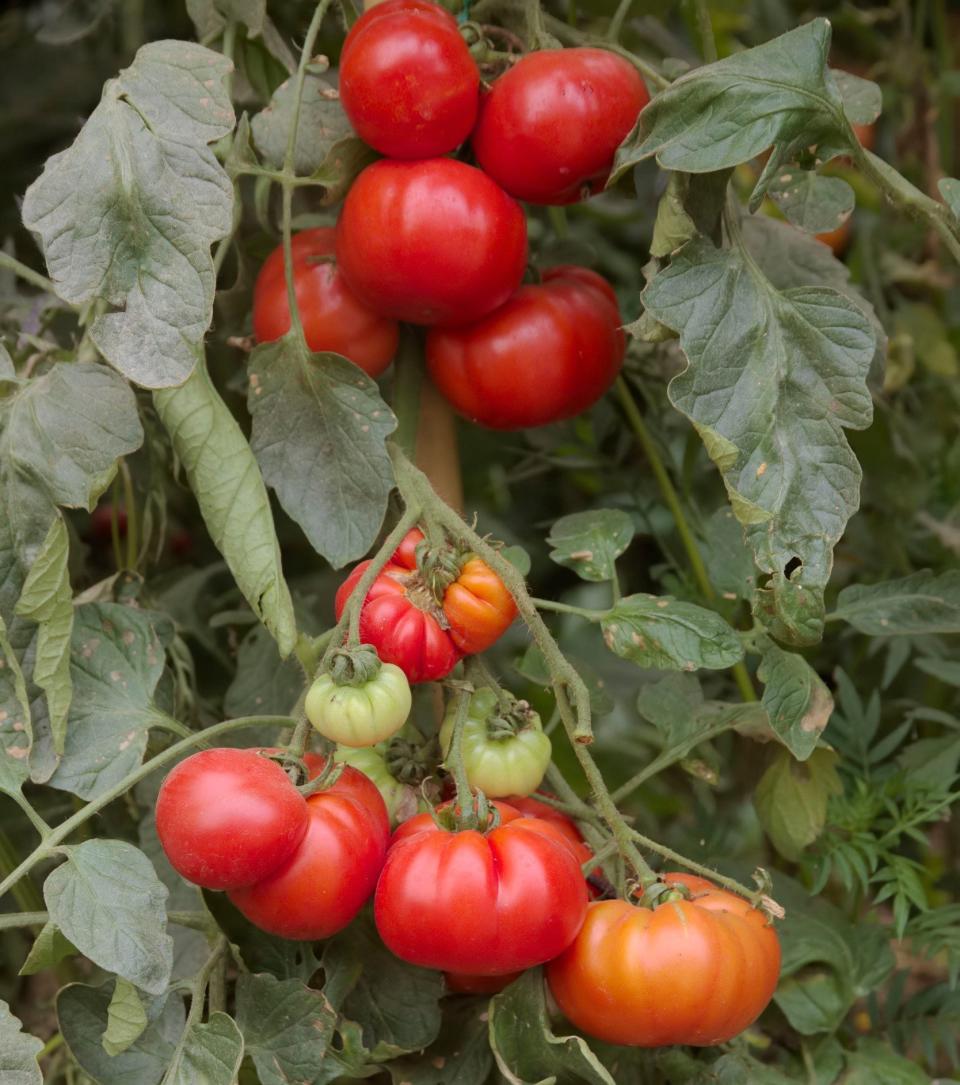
(798, 703)
(319, 433)
(590, 542)
(142, 175)
(107, 899)
(925, 602)
(791, 799)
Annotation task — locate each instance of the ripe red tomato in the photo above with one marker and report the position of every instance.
(411, 628)
(407, 81)
(333, 317)
(330, 876)
(550, 126)
(101, 523)
(227, 818)
(549, 353)
(480, 903)
(431, 242)
(695, 971)
(531, 807)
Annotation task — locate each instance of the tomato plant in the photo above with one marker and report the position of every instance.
(227, 818)
(548, 354)
(430, 242)
(333, 319)
(527, 895)
(718, 958)
(407, 81)
(360, 713)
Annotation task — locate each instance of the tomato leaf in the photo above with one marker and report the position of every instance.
(461, 1054)
(16, 729)
(264, 684)
(395, 1004)
(126, 1018)
(18, 1051)
(590, 542)
(924, 602)
(797, 701)
(666, 634)
(128, 213)
(876, 1063)
(287, 1029)
(49, 948)
(82, 1012)
(116, 659)
(233, 499)
(209, 1053)
(319, 433)
(811, 202)
(210, 17)
(109, 902)
(862, 99)
(525, 1046)
(772, 419)
(728, 559)
(791, 800)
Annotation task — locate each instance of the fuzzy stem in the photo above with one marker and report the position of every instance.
(26, 273)
(669, 757)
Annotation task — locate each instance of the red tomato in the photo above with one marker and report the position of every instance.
(227, 818)
(837, 239)
(101, 523)
(531, 807)
(333, 872)
(548, 354)
(462, 983)
(407, 81)
(333, 318)
(431, 242)
(550, 126)
(481, 903)
(695, 971)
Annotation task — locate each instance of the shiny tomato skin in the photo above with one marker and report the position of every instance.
(329, 878)
(407, 81)
(227, 818)
(430, 242)
(333, 318)
(694, 972)
(548, 354)
(550, 126)
(531, 807)
(525, 892)
(478, 607)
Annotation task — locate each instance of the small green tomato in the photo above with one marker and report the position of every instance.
(502, 754)
(399, 798)
(360, 715)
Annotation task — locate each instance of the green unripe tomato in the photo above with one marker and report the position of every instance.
(360, 715)
(370, 761)
(497, 761)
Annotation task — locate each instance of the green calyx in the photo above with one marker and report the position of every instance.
(439, 566)
(354, 666)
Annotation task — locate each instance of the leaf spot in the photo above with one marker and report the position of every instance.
(761, 470)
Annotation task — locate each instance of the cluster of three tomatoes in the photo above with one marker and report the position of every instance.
(431, 240)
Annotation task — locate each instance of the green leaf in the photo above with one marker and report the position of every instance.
(525, 1046)
(811, 202)
(126, 1018)
(210, 17)
(49, 949)
(327, 149)
(233, 499)
(395, 1003)
(673, 706)
(264, 685)
(773, 420)
(691, 205)
(82, 1012)
(862, 99)
(319, 432)
(590, 542)
(797, 701)
(287, 1029)
(16, 730)
(665, 634)
(461, 1055)
(18, 1052)
(791, 800)
(116, 659)
(108, 900)
(924, 602)
(725, 113)
(128, 213)
(48, 600)
(876, 1063)
(728, 559)
(207, 1054)
(945, 669)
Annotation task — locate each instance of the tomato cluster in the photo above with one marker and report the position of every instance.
(432, 240)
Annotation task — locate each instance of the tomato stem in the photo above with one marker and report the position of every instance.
(454, 759)
(407, 382)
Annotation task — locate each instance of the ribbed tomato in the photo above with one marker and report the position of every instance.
(549, 353)
(695, 971)
(407, 81)
(334, 870)
(333, 318)
(426, 637)
(479, 903)
(550, 126)
(431, 242)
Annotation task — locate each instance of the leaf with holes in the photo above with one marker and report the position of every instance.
(319, 433)
(127, 214)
